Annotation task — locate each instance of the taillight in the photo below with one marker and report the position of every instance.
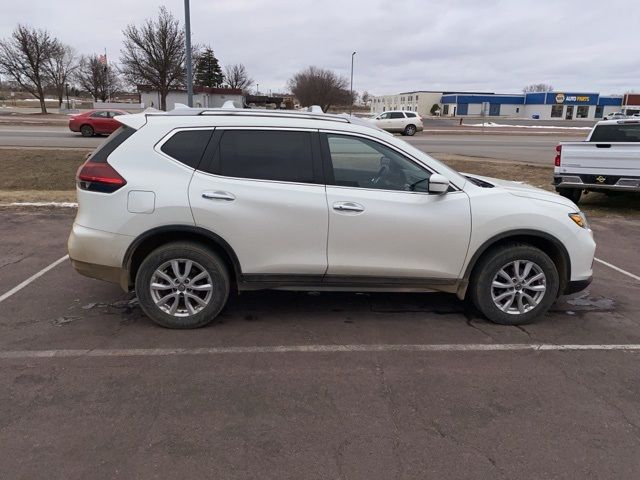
(558, 153)
(99, 177)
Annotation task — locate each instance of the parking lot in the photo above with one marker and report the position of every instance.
(312, 385)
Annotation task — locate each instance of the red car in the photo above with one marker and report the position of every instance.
(95, 122)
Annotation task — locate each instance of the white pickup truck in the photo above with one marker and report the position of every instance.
(608, 160)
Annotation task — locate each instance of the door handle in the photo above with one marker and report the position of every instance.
(226, 196)
(348, 207)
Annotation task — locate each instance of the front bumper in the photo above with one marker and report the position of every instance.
(577, 286)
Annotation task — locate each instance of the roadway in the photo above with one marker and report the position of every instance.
(532, 147)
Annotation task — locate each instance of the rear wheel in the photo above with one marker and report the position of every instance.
(514, 284)
(182, 285)
(410, 130)
(572, 194)
(87, 131)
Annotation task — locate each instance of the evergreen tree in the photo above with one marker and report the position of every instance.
(208, 72)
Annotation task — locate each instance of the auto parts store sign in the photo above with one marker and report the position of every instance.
(572, 98)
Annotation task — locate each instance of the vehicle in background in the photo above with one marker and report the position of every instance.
(615, 116)
(399, 121)
(96, 122)
(189, 205)
(607, 161)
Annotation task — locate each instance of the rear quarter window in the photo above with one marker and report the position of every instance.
(187, 146)
(616, 133)
(114, 140)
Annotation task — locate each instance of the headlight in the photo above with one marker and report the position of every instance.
(579, 219)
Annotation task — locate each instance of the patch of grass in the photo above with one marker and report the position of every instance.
(38, 169)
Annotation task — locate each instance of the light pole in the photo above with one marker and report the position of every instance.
(67, 90)
(187, 34)
(351, 92)
(257, 89)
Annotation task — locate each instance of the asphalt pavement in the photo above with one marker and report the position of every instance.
(527, 148)
(311, 385)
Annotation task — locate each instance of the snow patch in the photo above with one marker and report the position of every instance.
(43, 204)
(492, 124)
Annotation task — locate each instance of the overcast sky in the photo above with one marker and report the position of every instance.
(492, 45)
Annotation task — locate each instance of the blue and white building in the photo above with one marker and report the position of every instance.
(544, 105)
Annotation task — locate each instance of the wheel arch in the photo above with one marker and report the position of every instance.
(156, 237)
(542, 240)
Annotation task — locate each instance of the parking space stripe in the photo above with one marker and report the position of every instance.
(618, 269)
(169, 352)
(32, 278)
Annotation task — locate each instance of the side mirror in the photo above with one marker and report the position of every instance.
(438, 184)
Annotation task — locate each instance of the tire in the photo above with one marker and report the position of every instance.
(572, 194)
(87, 131)
(409, 130)
(188, 312)
(483, 292)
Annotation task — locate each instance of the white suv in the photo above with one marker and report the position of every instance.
(190, 205)
(399, 121)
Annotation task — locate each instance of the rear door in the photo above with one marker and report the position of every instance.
(261, 191)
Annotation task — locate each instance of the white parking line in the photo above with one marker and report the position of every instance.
(32, 278)
(618, 269)
(170, 352)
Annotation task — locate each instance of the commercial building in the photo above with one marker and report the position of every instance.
(420, 101)
(543, 105)
(203, 97)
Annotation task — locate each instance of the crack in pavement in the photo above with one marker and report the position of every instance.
(393, 413)
(470, 323)
(461, 444)
(14, 262)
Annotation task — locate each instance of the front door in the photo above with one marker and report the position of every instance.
(382, 221)
(261, 192)
(569, 114)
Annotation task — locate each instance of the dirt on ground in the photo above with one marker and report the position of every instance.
(39, 169)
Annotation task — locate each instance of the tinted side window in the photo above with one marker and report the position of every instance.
(187, 146)
(410, 115)
(362, 163)
(397, 115)
(100, 115)
(266, 155)
(116, 139)
(616, 133)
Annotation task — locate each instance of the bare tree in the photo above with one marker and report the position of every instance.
(365, 97)
(59, 69)
(318, 86)
(155, 54)
(538, 87)
(236, 76)
(23, 57)
(95, 77)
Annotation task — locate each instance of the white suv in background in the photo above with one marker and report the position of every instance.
(399, 121)
(188, 206)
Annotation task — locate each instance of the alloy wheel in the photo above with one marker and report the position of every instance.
(181, 287)
(518, 287)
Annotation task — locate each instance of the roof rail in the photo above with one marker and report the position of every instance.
(254, 112)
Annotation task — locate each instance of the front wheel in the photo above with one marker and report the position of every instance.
(572, 194)
(514, 284)
(182, 285)
(410, 130)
